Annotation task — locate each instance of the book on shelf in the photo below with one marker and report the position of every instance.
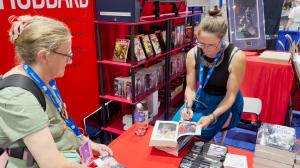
(178, 35)
(138, 49)
(155, 43)
(121, 50)
(277, 136)
(147, 45)
(188, 34)
(168, 133)
(161, 35)
(164, 36)
(145, 80)
(122, 87)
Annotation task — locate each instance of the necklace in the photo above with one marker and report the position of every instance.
(209, 64)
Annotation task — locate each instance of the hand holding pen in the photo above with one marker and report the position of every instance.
(187, 113)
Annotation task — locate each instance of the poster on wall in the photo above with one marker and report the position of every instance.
(246, 24)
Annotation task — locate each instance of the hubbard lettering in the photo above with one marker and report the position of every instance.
(49, 4)
(38, 6)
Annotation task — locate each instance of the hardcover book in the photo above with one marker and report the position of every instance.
(167, 133)
(277, 136)
(121, 50)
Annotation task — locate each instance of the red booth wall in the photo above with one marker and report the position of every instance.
(79, 86)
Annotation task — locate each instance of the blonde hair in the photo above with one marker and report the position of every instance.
(215, 23)
(31, 34)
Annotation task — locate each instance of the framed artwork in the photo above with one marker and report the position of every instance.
(246, 24)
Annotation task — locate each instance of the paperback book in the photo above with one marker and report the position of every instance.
(155, 43)
(121, 50)
(138, 49)
(147, 45)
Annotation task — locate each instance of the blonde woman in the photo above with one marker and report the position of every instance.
(44, 48)
(215, 72)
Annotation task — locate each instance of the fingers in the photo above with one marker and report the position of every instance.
(104, 150)
(186, 115)
(204, 122)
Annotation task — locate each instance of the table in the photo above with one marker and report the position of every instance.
(272, 82)
(134, 152)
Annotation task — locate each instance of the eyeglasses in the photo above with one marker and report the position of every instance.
(208, 46)
(69, 55)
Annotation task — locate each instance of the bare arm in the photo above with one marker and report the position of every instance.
(43, 149)
(190, 90)
(236, 75)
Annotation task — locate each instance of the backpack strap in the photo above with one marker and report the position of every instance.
(26, 83)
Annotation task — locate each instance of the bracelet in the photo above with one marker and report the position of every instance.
(214, 117)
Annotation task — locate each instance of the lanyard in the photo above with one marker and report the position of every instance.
(208, 75)
(59, 105)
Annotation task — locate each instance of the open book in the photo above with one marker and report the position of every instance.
(167, 133)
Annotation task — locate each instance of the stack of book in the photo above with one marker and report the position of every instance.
(275, 147)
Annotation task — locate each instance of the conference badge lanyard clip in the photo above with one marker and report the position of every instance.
(59, 105)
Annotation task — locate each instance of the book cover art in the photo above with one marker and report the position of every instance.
(188, 34)
(118, 87)
(169, 133)
(126, 88)
(147, 45)
(155, 43)
(121, 50)
(278, 136)
(138, 49)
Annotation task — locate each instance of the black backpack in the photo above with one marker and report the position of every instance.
(26, 83)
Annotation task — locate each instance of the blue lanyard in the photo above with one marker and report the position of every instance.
(208, 75)
(59, 106)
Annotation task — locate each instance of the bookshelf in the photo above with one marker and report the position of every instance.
(132, 66)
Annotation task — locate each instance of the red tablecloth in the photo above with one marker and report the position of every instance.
(271, 82)
(134, 152)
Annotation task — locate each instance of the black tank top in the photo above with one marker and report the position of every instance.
(218, 81)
